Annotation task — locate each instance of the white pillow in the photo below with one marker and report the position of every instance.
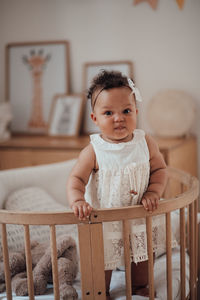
(33, 199)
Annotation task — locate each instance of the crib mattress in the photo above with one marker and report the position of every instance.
(118, 289)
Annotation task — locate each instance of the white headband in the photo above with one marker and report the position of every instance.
(135, 90)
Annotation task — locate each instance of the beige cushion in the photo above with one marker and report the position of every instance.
(27, 199)
(179, 113)
(33, 199)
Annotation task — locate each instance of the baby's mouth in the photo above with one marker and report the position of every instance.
(120, 128)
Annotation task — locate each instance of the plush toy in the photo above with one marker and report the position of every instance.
(42, 268)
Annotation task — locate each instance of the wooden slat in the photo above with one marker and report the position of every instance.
(6, 262)
(182, 251)
(54, 263)
(150, 257)
(192, 253)
(29, 262)
(169, 256)
(196, 243)
(127, 260)
(188, 230)
(97, 247)
(85, 262)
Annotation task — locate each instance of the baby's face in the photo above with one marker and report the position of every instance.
(115, 114)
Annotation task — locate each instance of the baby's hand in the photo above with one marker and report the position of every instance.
(150, 201)
(81, 209)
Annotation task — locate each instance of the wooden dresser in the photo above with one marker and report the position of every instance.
(180, 153)
(21, 151)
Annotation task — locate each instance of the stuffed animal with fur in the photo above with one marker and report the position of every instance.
(42, 268)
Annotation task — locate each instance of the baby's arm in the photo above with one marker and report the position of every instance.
(77, 181)
(158, 176)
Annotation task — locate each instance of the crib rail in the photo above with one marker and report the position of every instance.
(91, 241)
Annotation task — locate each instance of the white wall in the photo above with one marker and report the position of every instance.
(164, 44)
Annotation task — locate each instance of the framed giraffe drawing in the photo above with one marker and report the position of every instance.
(90, 70)
(35, 72)
(66, 114)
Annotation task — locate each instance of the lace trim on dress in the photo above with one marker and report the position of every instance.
(139, 238)
(113, 247)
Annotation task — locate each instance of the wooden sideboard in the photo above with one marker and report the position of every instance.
(21, 151)
(180, 153)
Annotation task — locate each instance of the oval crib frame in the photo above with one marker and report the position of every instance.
(91, 240)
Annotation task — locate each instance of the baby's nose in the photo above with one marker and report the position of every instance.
(119, 117)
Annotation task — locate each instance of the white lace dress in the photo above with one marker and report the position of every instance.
(123, 167)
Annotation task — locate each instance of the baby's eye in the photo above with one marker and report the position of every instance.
(126, 111)
(108, 113)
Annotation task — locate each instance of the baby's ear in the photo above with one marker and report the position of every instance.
(93, 117)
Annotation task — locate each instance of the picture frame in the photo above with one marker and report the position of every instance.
(35, 72)
(66, 115)
(90, 70)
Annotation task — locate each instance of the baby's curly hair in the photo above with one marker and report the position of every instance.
(106, 80)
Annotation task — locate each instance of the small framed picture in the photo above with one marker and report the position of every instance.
(66, 114)
(90, 70)
(35, 72)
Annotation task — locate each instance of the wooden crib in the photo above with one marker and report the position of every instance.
(91, 240)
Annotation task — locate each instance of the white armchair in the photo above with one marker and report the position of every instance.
(51, 177)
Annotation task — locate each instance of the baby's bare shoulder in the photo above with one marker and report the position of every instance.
(152, 144)
(86, 159)
(87, 152)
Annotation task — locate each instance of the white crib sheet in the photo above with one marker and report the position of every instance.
(118, 290)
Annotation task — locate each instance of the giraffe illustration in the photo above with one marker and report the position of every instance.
(36, 63)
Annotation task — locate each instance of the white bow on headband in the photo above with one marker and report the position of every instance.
(134, 90)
